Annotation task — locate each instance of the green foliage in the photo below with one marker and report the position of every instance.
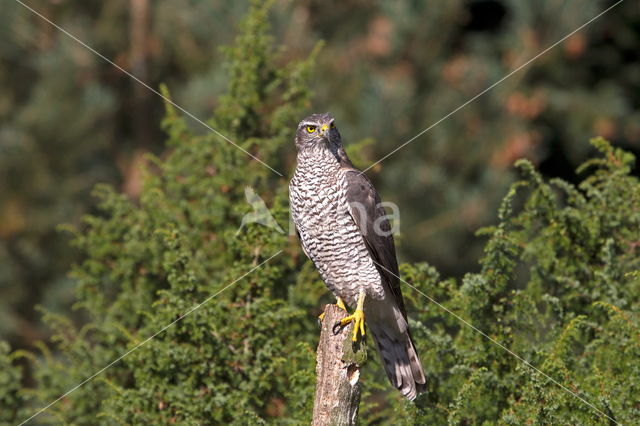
(236, 356)
(559, 285)
(68, 119)
(12, 402)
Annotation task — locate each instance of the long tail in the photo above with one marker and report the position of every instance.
(399, 358)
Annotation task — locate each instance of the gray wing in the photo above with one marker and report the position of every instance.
(370, 217)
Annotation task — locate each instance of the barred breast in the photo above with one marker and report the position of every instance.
(328, 233)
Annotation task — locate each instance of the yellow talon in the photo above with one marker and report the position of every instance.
(357, 318)
(340, 305)
(358, 323)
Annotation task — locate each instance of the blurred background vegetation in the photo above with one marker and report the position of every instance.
(387, 70)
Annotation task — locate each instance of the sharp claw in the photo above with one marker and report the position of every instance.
(357, 318)
(339, 303)
(346, 320)
(358, 324)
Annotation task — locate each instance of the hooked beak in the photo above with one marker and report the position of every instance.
(323, 129)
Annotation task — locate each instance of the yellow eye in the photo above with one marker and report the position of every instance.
(311, 129)
(333, 125)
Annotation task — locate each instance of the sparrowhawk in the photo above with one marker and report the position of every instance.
(344, 231)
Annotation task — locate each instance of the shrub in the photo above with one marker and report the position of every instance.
(559, 286)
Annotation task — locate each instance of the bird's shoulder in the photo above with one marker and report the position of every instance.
(359, 189)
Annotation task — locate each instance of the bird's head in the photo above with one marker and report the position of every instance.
(318, 130)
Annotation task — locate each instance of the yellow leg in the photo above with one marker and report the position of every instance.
(357, 318)
(340, 305)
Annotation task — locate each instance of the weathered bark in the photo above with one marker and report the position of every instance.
(142, 121)
(338, 371)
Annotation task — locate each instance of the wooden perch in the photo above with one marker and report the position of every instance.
(338, 372)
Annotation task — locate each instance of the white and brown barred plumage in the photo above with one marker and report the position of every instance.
(344, 231)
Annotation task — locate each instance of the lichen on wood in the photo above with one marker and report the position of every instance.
(338, 366)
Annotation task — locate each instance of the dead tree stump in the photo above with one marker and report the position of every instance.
(338, 372)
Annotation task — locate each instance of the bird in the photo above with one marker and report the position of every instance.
(343, 229)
